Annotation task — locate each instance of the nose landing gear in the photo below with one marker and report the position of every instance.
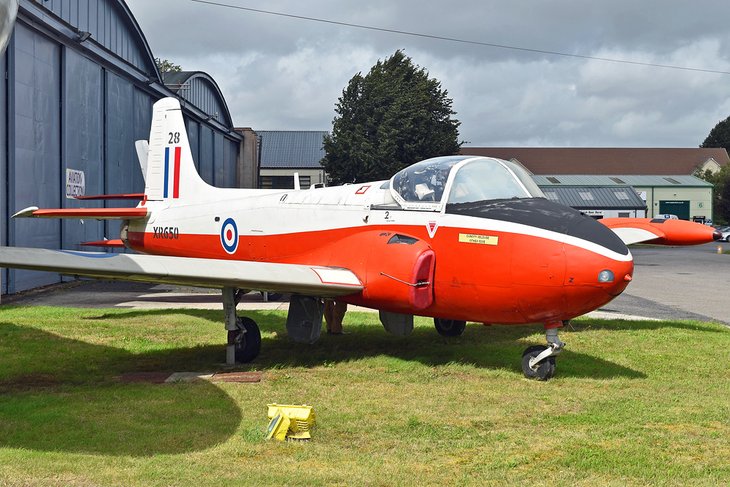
(538, 361)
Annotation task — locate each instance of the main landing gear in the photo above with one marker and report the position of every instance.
(538, 362)
(449, 328)
(244, 337)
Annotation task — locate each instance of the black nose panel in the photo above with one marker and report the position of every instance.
(544, 214)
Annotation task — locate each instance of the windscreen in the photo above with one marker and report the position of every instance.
(424, 181)
(490, 179)
(424, 184)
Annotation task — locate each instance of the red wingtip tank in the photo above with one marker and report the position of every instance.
(667, 231)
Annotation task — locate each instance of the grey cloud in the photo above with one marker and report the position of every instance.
(279, 73)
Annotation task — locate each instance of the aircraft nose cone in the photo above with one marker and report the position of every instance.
(716, 235)
(624, 274)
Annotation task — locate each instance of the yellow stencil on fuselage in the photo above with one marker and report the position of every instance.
(478, 239)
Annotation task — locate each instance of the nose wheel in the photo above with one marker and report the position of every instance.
(543, 370)
(538, 361)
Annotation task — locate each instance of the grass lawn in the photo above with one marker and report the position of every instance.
(632, 403)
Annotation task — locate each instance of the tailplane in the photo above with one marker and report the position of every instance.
(168, 168)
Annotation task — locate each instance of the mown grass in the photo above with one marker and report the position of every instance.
(633, 403)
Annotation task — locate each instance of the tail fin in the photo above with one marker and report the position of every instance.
(170, 171)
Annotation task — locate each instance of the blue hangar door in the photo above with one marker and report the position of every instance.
(83, 141)
(35, 166)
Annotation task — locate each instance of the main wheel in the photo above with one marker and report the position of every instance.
(545, 369)
(247, 340)
(449, 328)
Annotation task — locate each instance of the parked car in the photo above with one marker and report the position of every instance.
(725, 233)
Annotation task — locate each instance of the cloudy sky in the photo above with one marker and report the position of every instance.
(281, 73)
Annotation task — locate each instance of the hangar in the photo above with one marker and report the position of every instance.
(80, 84)
(685, 196)
(595, 198)
(284, 152)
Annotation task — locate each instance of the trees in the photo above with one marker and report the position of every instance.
(719, 137)
(166, 66)
(388, 119)
(722, 198)
(720, 193)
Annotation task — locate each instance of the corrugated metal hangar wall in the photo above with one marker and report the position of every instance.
(79, 89)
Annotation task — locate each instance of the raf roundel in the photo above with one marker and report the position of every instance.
(229, 236)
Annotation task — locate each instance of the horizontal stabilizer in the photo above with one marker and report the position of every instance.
(130, 196)
(95, 213)
(317, 281)
(115, 243)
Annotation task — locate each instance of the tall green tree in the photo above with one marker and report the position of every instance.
(388, 119)
(719, 137)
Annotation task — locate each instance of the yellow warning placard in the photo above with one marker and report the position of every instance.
(478, 239)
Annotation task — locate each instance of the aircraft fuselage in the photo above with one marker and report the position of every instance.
(500, 261)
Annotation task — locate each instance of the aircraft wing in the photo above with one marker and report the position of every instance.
(263, 276)
(660, 231)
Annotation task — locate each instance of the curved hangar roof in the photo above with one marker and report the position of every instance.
(107, 30)
(104, 24)
(201, 90)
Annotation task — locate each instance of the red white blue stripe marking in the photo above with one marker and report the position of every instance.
(175, 180)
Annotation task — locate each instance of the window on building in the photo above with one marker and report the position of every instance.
(618, 180)
(624, 214)
(553, 180)
(551, 195)
(672, 180)
(586, 195)
(621, 195)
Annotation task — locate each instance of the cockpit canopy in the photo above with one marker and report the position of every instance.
(429, 184)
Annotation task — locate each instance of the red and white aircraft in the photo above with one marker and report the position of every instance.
(456, 238)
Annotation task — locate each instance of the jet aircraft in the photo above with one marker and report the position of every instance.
(455, 238)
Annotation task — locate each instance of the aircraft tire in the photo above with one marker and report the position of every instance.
(248, 344)
(449, 328)
(545, 369)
